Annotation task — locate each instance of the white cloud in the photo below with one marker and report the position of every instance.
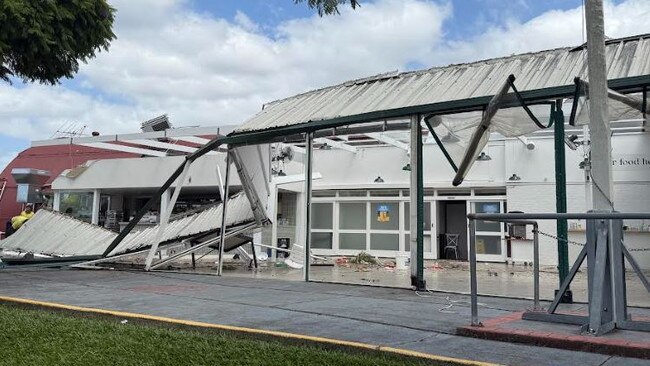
(204, 70)
(6, 158)
(552, 29)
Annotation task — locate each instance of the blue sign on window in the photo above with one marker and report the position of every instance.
(383, 213)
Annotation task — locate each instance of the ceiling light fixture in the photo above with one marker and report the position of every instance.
(483, 157)
(514, 177)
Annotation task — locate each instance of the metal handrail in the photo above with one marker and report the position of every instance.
(528, 219)
(472, 265)
(505, 217)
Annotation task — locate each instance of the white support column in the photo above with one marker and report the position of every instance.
(274, 229)
(164, 220)
(601, 144)
(56, 204)
(224, 215)
(95, 213)
(164, 202)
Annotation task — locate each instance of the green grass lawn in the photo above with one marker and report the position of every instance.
(43, 337)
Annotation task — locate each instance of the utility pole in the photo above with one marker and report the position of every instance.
(601, 144)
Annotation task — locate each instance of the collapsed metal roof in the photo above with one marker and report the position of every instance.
(626, 58)
(56, 234)
(239, 211)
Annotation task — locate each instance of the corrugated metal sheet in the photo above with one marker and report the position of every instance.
(53, 233)
(239, 211)
(626, 58)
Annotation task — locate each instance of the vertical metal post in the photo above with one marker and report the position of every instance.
(308, 169)
(164, 220)
(413, 206)
(417, 206)
(96, 202)
(600, 299)
(164, 202)
(56, 205)
(421, 284)
(224, 213)
(472, 273)
(560, 194)
(536, 267)
(617, 264)
(601, 144)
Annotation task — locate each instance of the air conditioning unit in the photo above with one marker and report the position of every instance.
(160, 123)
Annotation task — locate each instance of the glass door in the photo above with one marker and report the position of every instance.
(490, 243)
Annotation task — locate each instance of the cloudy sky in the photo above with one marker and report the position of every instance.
(216, 62)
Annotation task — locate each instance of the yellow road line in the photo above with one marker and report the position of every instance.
(302, 337)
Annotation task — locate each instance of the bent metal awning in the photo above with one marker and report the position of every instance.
(540, 76)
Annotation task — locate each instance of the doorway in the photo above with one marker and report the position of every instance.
(452, 220)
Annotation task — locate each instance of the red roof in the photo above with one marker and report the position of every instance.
(53, 158)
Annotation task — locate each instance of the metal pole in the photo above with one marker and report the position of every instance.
(164, 220)
(96, 202)
(472, 273)
(421, 283)
(560, 197)
(416, 207)
(601, 145)
(536, 267)
(224, 212)
(308, 169)
(413, 206)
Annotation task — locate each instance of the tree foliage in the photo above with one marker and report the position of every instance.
(44, 40)
(329, 7)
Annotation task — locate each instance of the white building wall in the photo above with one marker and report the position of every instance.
(536, 191)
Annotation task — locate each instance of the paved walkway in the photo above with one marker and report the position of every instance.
(391, 317)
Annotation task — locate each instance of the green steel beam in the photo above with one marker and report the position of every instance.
(624, 85)
(560, 194)
(442, 147)
(421, 284)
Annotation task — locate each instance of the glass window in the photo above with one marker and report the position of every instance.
(454, 192)
(321, 240)
(385, 193)
(384, 241)
(490, 192)
(352, 241)
(385, 216)
(487, 207)
(427, 216)
(427, 192)
(77, 204)
(323, 194)
(355, 193)
(322, 215)
(486, 244)
(352, 216)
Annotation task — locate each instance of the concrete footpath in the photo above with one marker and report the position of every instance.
(389, 317)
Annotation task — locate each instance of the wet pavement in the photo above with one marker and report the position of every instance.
(424, 322)
(496, 279)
